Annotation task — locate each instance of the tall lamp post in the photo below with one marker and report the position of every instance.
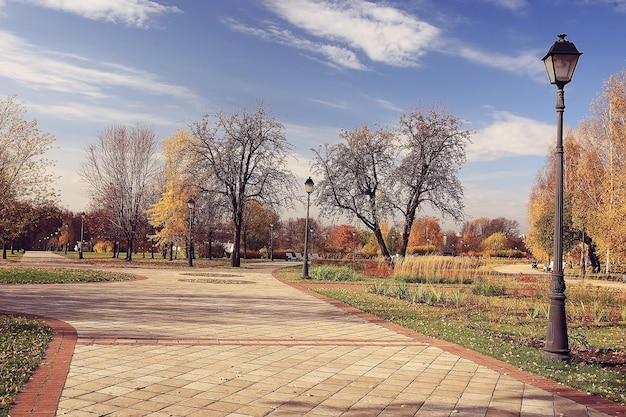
(308, 186)
(82, 234)
(560, 62)
(191, 205)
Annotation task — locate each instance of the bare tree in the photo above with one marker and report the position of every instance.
(119, 170)
(432, 151)
(375, 174)
(242, 157)
(355, 178)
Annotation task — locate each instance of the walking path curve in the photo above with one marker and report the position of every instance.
(238, 342)
(526, 269)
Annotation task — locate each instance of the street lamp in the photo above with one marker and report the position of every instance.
(67, 236)
(308, 186)
(560, 62)
(271, 243)
(190, 204)
(82, 230)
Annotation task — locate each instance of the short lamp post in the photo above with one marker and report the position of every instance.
(67, 237)
(82, 235)
(271, 242)
(190, 205)
(560, 62)
(308, 186)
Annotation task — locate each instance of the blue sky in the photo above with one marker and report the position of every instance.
(82, 65)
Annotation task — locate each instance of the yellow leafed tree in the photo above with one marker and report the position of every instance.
(170, 215)
(595, 182)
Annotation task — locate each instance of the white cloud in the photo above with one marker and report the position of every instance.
(96, 114)
(328, 103)
(509, 4)
(386, 104)
(383, 33)
(136, 13)
(527, 63)
(335, 56)
(511, 135)
(41, 69)
(342, 29)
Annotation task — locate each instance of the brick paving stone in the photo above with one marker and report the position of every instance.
(167, 345)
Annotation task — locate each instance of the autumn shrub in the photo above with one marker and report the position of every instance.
(103, 247)
(438, 269)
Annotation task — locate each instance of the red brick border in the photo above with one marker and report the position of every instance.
(597, 403)
(40, 396)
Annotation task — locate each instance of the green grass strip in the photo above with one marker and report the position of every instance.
(57, 276)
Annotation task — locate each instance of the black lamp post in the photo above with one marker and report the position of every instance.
(271, 242)
(560, 62)
(308, 186)
(67, 236)
(190, 204)
(82, 231)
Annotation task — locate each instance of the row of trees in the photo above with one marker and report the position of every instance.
(595, 186)
(234, 167)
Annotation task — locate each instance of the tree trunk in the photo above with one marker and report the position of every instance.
(129, 252)
(591, 253)
(383, 246)
(593, 258)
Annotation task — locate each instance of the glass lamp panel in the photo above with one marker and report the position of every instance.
(549, 63)
(564, 67)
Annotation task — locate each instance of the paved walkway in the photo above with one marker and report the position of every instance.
(237, 342)
(526, 269)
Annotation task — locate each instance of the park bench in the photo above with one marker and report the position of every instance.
(289, 256)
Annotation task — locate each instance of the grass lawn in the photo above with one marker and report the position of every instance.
(56, 276)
